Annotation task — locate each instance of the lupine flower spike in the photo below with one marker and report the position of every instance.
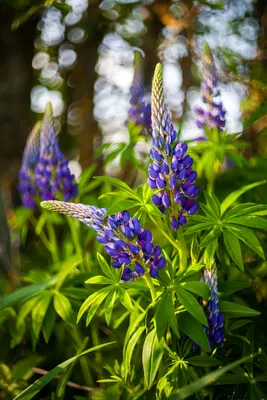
(52, 174)
(171, 172)
(140, 110)
(215, 331)
(30, 158)
(212, 113)
(124, 239)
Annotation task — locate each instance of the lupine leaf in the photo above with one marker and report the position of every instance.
(90, 300)
(246, 209)
(232, 197)
(39, 311)
(237, 324)
(152, 356)
(96, 303)
(106, 268)
(25, 293)
(248, 237)
(125, 298)
(122, 205)
(251, 221)
(119, 184)
(63, 308)
(191, 305)
(99, 280)
(127, 355)
(109, 305)
(204, 361)
(233, 247)
(213, 204)
(228, 287)
(199, 288)
(234, 310)
(211, 237)
(206, 380)
(198, 227)
(193, 329)
(49, 323)
(36, 386)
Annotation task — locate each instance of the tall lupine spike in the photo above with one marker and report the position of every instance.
(140, 110)
(170, 172)
(215, 330)
(129, 245)
(30, 158)
(212, 113)
(52, 174)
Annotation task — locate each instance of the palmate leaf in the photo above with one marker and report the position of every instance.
(39, 311)
(193, 329)
(39, 384)
(63, 308)
(128, 352)
(152, 355)
(248, 237)
(207, 380)
(191, 305)
(119, 184)
(244, 209)
(233, 247)
(251, 221)
(199, 288)
(234, 310)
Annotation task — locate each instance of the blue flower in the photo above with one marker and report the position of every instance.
(52, 174)
(140, 110)
(215, 330)
(125, 241)
(171, 172)
(212, 113)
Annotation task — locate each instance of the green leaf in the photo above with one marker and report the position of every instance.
(122, 205)
(99, 280)
(248, 237)
(90, 300)
(227, 287)
(246, 209)
(63, 308)
(232, 197)
(211, 237)
(39, 311)
(199, 288)
(95, 305)
(193, 329)
(109, 305)
(7, 313)
(119, 184)
(213, 204)
(203, 361)
(251, 221)
(206, 380)
(237, 324)
(25, 293)
(105, 267)
(198, 227)
(233, 247)
(152, 356)
(232, 379)
(128, 351)
(191, 305)
(49, 323)
(125, 298)
(234, 310)
(35, 387)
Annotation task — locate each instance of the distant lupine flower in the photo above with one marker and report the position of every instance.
(30, 158)
(129, 245)
(215, 331)
(52, 174)
(171, 172)
(212, 113)
(140, 111)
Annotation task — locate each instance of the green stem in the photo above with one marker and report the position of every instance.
(164, 233)
(150, 286)
(182, 250)
(53, 241)
(98, 355)
(75, 239)
(42, 235)
(84, 364)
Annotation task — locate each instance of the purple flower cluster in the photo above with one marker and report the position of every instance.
(26, 184)
(52, 174)
(171, 172)
(124, 239)
(212, 113)
(140, 111)
(215, 331)
(44, 172)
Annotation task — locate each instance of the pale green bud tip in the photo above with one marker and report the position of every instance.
(158, 74)
(47, 204)
(206, 49)
(49, 109)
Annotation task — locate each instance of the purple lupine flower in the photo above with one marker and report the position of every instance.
(215, 330)
(171, 171)
(212, 112)
(126, 242)
(52, 174)
(140, 110)
(30, 158)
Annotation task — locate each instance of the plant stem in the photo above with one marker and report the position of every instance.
(164, 233)
(182, 250)
(42, 235)
(75, 239)
(53, 241)
(151, 287)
